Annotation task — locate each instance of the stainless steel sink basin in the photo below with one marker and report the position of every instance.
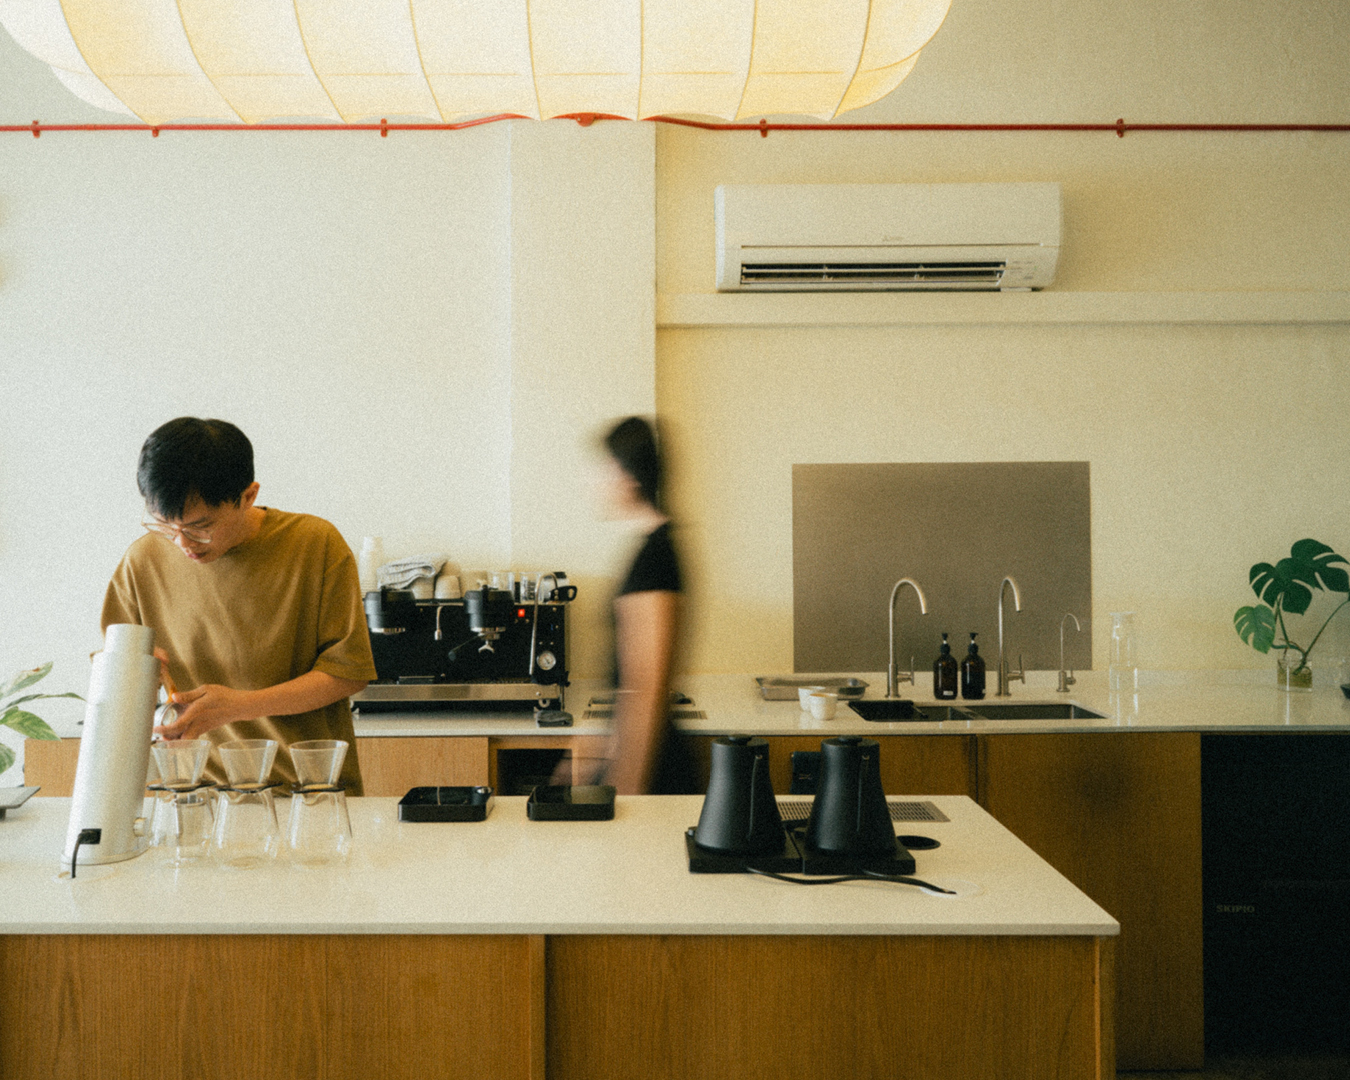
(1030, 710)
(899, 710)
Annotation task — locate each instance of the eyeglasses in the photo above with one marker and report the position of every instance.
(171, 532)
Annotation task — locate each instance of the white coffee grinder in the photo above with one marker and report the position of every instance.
(107, 822)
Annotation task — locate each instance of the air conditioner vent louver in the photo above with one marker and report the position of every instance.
(899, 237)
(933, 275)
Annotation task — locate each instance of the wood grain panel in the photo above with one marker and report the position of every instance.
(1118, 814)
(390, 766)
(414, 1007)
(378, 1007)
(50, 764)
(582, 749)
(780, 1008)
(910, 764)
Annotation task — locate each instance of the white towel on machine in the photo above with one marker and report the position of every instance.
(401, 573)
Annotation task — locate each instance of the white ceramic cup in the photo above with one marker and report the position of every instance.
(804, 695)
(447, 587)
(823, 704)
(422, 588)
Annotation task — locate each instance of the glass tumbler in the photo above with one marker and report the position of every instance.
(319, 832)
(1123, 670)
(182, 761)
(248, 761)
(318, 762)
(246, 832)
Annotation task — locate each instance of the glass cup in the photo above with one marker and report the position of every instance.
(319, 832)
(182, 761)
(246, 832)
(318, 762)
(248, 761)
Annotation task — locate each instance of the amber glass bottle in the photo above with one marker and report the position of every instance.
(972, 672)
(944, 673)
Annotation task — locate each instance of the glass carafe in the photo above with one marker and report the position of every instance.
(1123, 669)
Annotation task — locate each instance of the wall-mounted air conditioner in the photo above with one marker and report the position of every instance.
(863, 237)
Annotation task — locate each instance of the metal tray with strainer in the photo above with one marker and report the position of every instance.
(785, 687)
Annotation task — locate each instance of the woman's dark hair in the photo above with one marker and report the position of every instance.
(632, 443)
(211, 459)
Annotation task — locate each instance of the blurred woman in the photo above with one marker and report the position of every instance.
(646, 755)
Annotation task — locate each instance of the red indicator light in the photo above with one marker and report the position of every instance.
(520, 613)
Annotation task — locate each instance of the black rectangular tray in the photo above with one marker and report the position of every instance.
(446, 804)
(564, 802)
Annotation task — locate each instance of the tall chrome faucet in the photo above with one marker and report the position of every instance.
(1066, 678)
(893, 677)
(1004, 675)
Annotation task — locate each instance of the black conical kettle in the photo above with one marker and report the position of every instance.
(850, 815)
(740, 814)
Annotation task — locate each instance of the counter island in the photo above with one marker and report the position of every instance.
(512, 948)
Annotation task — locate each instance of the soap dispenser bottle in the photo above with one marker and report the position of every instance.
(944, 673)
(972, 672)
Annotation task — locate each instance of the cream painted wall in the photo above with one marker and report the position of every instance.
(583, 347)
(1211, 447)
(351, 302)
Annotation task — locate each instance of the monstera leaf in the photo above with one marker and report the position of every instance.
(1256, 626)
(1290, 582)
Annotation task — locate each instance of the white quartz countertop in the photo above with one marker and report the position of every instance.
(1219, 701)
(510, 875)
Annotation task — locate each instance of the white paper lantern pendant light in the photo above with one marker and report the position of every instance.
(349, 61)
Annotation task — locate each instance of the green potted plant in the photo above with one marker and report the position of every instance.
(19, 719)
(1287, 589)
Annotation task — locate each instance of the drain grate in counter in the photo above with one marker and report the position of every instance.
(901, 810)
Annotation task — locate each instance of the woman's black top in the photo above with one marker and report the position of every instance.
(656, 568)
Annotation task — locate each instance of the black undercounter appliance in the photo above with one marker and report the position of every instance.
(488, 650)
(1276, 843)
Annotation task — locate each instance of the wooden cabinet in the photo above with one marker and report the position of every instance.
(910, 764)
(1118, 814)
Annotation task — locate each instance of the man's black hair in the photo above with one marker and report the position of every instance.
(632, 443)
(211, 459)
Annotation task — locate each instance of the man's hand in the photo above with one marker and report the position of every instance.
(208, 706)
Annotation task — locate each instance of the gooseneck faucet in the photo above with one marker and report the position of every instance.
(893, 677)
(1066, 678)
(1004, 675)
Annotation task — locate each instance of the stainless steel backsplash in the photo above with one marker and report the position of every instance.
(957, 529)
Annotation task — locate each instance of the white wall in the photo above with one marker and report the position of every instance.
(350, 302)
(1211, 447)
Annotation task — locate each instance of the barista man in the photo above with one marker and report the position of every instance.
(257, 612)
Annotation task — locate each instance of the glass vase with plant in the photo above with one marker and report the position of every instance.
(1287, 589)
(20, 719)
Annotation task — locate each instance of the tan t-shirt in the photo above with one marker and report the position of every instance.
(271, 609)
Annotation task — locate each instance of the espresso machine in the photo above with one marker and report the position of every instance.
(489, 650)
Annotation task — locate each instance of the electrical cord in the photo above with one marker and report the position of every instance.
(87, 836)
(866, 875)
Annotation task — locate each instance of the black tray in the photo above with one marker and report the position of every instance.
(445, 804)
(564, 802)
